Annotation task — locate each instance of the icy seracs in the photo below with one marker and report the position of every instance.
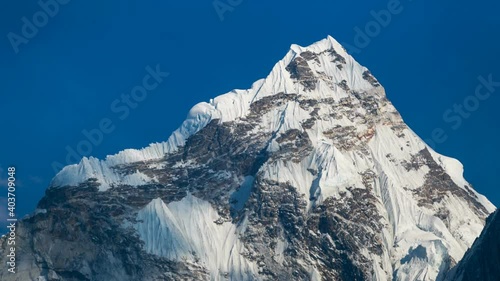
(422, 236)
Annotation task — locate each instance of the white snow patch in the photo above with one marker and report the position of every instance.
(186, 230)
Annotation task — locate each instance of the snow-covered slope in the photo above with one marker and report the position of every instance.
(311, 174)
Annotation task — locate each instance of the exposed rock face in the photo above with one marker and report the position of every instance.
(482, 260)
(309, 175)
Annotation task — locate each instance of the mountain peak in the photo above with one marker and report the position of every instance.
(311, 174)
(320, 70)
(329, 43)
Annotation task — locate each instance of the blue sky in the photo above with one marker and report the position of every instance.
(64, 79)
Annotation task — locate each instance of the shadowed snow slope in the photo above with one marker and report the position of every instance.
(482, 260)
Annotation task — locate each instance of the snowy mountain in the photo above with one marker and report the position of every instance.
(311, 174)
(481, 262)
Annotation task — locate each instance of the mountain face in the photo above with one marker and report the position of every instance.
(482, 261)
(311, 174)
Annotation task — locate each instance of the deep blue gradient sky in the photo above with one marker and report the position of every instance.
(66, 77)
